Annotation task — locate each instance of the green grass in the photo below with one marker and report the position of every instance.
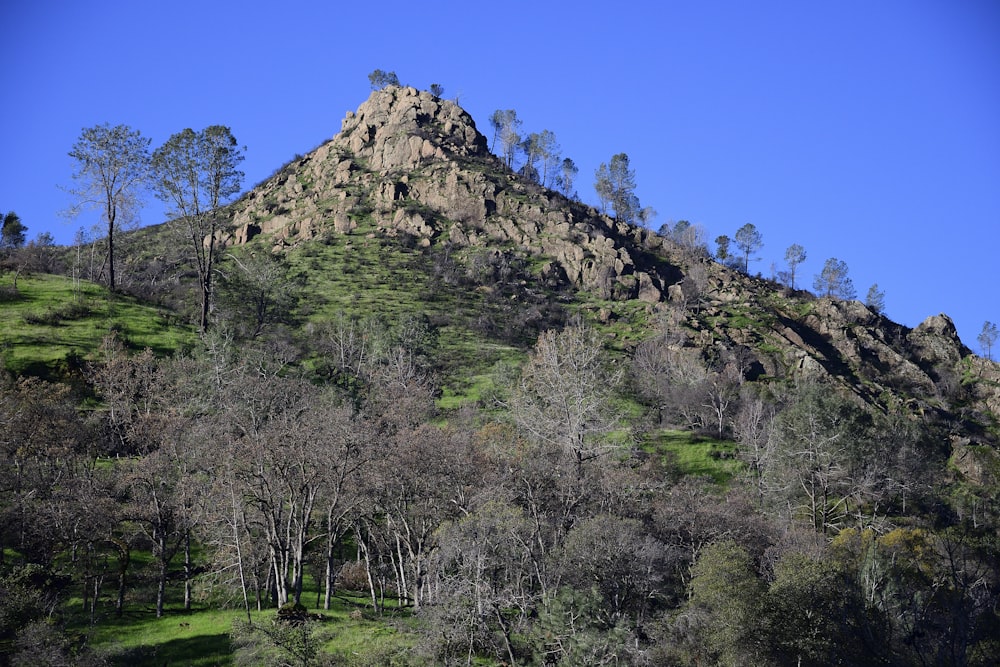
(695, 455)
(362, 276)
(201, 638)
(50, 324)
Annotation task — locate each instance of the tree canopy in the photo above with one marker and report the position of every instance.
(112, 164)
(195, 173)
(12, 231)
(749, 241)
(615, 186)
(379, 79)
(833, 280)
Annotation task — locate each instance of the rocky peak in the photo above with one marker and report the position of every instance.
(400, 128)
(410, 163)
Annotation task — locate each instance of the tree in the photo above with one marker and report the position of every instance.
(875, 299)
(794, 255)
(684, 234)
(541, 157)
(833, 280)
(615, 185)
(379, 79)
(12, 231)
(437, 90)
(603, 186)
(830, 460)
(548, 153)
(725, 598)
(111, 168)
(988, 337)
(195, 173)
(813, 613)
(255, 293)
(506, 125)
(532, 149)
(564, 397)
(748, 240)
(722, 248)
(567, 174)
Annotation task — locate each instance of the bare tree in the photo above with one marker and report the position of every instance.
(564, 394)
(111, 168)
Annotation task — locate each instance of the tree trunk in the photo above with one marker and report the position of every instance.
(161, 584)
(328, 575)
(205, 296)
(187, 570)
(111, 250)
(124, 557)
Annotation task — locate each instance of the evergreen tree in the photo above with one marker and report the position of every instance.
(794, 255)
(988, 337)
(379, 79)
(748, 240)
(12, 232)
(833, 280)
(875, 299)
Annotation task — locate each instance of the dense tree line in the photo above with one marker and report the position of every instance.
(541, 533)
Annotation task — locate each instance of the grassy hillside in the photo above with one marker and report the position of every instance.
(52, 323)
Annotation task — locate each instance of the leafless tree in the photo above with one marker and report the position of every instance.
(564, 395)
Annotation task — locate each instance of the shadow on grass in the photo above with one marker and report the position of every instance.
(199, 651)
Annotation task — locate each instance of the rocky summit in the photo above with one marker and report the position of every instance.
(417, 165)
(411, 164)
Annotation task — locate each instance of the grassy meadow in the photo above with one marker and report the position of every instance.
(52, 323)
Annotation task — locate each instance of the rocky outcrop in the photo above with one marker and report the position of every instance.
(407, 162)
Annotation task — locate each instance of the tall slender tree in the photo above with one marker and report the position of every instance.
(614, 183)
(603, 186)
(988, 337)
(722, 253)
(548, 157)
(794, 255)
(196, 173)
(506, 128)
(875, 299)
(112, 164)
(623, 197)
(567, 174)
(749, 240)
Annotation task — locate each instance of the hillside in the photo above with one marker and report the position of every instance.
(444, 415)
(411, 167)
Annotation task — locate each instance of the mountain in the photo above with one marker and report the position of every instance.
(394, 399)
(410, 166)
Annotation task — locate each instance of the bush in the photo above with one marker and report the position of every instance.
(53, 316)
(353, 576)
(293, 613)
(9, 293)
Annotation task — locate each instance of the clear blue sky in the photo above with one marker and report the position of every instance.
(866, 131)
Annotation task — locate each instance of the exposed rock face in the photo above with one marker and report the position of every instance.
(415, 164)
(408, 163)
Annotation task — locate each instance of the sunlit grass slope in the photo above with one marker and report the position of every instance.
(51, 323)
